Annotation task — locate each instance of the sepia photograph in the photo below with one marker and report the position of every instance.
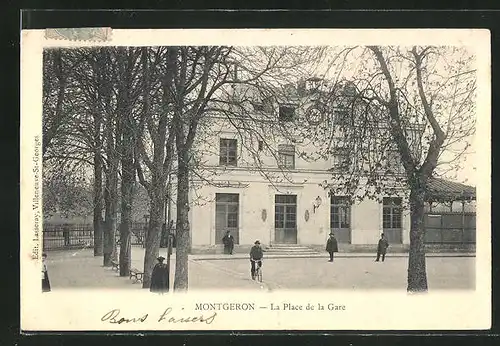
(252, 168)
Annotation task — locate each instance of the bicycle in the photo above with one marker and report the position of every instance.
(258, 270)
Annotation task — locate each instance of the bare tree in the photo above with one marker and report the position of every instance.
(199, 81)
(58, 67)
(154, 152)
(402, 113)
(129, 87)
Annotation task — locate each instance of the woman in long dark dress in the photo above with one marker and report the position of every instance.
(45, 275)
(159, 277)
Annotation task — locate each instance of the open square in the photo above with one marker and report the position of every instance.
(80, 269)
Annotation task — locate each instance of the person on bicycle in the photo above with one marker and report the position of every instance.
(256, 255)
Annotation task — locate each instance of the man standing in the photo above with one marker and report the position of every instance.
(332, 246)
(256, 255)
(383, 244)
(228, 242)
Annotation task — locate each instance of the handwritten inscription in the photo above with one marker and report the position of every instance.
(113, 316)
(167, 316)
(186, 319)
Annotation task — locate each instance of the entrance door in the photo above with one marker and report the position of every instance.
(226, 216)
(285, 219)
(392, 216)
(340, 218)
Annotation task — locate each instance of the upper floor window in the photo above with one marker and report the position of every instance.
(261, 145)
(340, 158)
(286, 156)
(258, 106)
(393, 160)
(286, 113)
(228, 152)
(340, 116)
(263, 105)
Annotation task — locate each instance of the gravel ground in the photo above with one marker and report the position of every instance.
(80, 269)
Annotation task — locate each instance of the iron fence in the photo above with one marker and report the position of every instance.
(78, 236)
(58, 237)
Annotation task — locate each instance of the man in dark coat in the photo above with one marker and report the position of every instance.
(228, 242)
(159, 277)
(45, 275)
(383, 244)
(256, 255)
(332, 246)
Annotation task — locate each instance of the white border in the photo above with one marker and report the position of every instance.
(366, 310)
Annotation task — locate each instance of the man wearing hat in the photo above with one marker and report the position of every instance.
(228, 242)
(332, 246)
(256, 255)
(159, 277)
(383, 244)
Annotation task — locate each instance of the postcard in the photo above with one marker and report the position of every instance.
(260, 179)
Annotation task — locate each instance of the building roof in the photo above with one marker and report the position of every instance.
(445, 190)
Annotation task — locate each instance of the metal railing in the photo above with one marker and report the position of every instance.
(59, 237)
(78, 236)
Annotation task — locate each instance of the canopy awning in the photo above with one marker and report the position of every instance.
(441, 190)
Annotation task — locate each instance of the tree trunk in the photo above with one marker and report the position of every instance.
(153, 235)
(417, 276)
(127, 185)
(182, 228)
(110, 222)
(98, 246)
(127, 159)
(111, 202)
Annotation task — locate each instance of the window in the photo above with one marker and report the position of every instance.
(286, 156)
(226, 215)
(392, 213)
(227, 154)
(340, 116)
(261, 145)
(394, 161)
(340, 158)
(258, 107)
(340, 212)
(264, 105)
(286, 113)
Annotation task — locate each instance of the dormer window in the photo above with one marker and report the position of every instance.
(286, 113)
(350, 89)
(340, 116)
(258, 106)
(263, 105)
